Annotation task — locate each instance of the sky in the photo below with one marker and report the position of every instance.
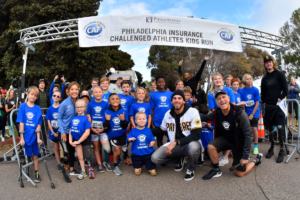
(264, 15)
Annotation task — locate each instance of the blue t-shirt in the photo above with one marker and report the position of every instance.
(51, 115)
(207, 135)
(105, 96)
(237, 98)
(115, 124)
(140, 146)
(251, 96)
(212, 104)
(97, 112)
(150, 93)
(79, 124)
(30, 117)
(140, 107)
(126, 102)
(189, 103)
(293, 93)
(161, 103)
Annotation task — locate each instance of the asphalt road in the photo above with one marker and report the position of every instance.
(278, 181)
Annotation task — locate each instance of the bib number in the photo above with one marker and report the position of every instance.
(54, 124)
(250, 103)
(97, 125)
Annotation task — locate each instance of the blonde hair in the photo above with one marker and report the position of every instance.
(82, 101)
(213, 86)
(187, 89)
(136, 91)
(178, 82)
(245, 78)
(228, 76)
(97, 87)
(57, 91)
(8, 93)
(34, 89)
(139, 113)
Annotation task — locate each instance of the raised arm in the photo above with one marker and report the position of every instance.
(199, 73)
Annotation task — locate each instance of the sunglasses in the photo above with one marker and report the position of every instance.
(56, 96)
(79, 107)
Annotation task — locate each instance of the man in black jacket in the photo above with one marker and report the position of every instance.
(274, 89)
(183, 126)
(192, 82)
(233, 132)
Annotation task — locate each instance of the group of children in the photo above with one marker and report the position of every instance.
(109, 120)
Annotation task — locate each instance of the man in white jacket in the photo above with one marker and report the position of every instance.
(183, 126)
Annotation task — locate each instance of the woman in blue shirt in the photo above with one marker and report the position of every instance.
(66, 112)
(294, 91)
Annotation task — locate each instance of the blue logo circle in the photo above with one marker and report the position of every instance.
(94, 29)
(226, 35)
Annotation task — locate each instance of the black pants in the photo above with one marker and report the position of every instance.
(3, 124)
(14, 118)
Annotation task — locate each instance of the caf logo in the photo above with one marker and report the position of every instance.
(54, 115)
(76, 122)
(163, 98)
(141, 109)
(238, 99)
(226, 125)
(142, 138)
(123, 101)
(116, 120)
(97, 109)
(249, 96)
(30, 115)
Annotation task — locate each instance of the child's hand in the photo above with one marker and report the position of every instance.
(14, 106)
(107, 117)
(131, 139)
(22, 142)
(55, 134)
(204, 124)
(152, 144)
(40, 142)
(122, 116)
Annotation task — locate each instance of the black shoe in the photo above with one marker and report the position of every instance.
(189, 175)
(179, 166)
(212, 174)
(59, 168)
(74, 172)
(280, 156)
(37, 177)
(200, 163)
(163, 164)
(270, 152)
(258, 158)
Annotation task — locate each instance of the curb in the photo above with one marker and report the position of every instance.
(10, 141)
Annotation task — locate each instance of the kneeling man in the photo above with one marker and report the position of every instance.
(232, 132)
(183, 125)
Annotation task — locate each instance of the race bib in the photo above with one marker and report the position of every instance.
(250, 103)
(97, 124)
(54, 124)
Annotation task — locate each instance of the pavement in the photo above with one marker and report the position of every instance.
(278, 181)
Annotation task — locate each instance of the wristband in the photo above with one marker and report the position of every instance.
(39, 130)
(21, 132)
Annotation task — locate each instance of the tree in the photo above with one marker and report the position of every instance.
(291, 32)
(62, 57)
(163, 60)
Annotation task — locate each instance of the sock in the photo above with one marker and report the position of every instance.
(255, 145)
(36, 171)
(125, 154)
(106, 156)
(216, 166)
(115, 164)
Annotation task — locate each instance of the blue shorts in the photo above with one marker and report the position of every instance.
(32, 150)
(139, 161)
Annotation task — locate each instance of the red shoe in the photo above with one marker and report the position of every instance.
(128, 161)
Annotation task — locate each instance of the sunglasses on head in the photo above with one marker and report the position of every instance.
(56, 96)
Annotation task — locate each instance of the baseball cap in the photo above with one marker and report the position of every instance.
(268, 58)
(220, 92)
(132, 90)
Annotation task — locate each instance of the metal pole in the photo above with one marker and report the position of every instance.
(282, 61)
(25, 60)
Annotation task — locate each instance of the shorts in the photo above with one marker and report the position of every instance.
(118, 141)
(101, 136)
(274, 116)
(254, 122)
(221, 144)
(55, 141)
(139, 161)
(32, 150)
(87, 141)
(293, 105)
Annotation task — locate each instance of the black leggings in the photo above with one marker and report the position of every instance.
(3, 124)
(14, 118)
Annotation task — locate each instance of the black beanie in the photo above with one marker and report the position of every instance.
(178, 92)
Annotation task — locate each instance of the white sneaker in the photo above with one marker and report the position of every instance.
(223, 161)
(2, 138)
(221, 157)
(6, 135)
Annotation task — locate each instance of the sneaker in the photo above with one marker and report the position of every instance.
(212, 174)
(152, 172)
(66, 166)
(74, 173)
(220, 158)
(2, 138)
(59, 168)
(179, 166)
(37, 177)
(270, 152)
(128, 161)
(255, 151)
(91, 175)
(81, 175)
(6, 135)
(280, 156)
(185, 160)
(107, 166)
(223, 161)
(189, 175)
(117, 171)
(200, 163)
(100, 169)
(258, 158)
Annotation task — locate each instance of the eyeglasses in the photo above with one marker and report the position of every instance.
(79, 107)
(56, 96)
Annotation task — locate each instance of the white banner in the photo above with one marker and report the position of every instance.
(158, 30)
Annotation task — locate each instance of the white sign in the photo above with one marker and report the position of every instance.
(158, 30)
